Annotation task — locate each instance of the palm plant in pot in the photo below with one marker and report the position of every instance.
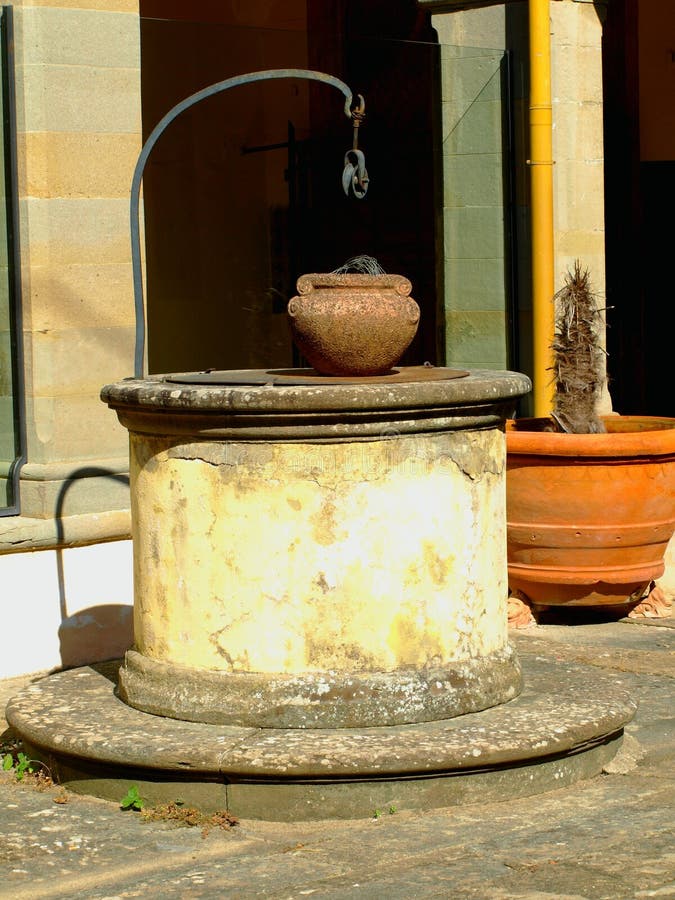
(590, 499)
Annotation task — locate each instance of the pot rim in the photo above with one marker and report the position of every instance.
(626, 436)
(312, 280)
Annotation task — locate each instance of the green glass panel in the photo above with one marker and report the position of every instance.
(475, 207)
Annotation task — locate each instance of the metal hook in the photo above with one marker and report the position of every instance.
(359, 110)
(358, 114)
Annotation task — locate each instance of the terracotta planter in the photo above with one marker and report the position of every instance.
(589, 516)
(353, 324)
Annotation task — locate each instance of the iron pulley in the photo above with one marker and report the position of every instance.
(355, 175)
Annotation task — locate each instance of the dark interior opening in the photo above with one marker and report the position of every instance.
(243, 193)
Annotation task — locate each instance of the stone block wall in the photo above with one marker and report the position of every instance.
(65, 562)
(578, 146)
(576, 93)
(79, 134)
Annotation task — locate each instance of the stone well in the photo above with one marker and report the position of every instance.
(320, 608)
(319, 555)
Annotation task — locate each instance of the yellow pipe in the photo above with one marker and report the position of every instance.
(541, 203)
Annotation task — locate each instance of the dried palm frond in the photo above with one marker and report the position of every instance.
(365, 265)
(578, 366)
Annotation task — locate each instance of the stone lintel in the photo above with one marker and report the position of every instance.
(60, 490)
(23, 533)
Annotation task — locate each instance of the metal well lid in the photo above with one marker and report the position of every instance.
(398, 375)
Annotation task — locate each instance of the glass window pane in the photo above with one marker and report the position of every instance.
(10, 379)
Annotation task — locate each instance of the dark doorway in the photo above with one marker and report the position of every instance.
(639, 108)
(243, 193)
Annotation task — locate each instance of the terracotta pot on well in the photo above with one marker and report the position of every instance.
(353, 324)
(589, 516)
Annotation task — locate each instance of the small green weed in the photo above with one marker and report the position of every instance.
(132, 799)
(23, 766)
(377, 813)
(19, 763)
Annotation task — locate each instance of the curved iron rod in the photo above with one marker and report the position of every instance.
(147, 149)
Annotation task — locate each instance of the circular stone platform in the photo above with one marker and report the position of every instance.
(566, 725)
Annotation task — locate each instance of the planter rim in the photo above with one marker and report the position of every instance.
(627, 436)
(313, 280)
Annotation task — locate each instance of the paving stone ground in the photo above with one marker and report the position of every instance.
(610, 838)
